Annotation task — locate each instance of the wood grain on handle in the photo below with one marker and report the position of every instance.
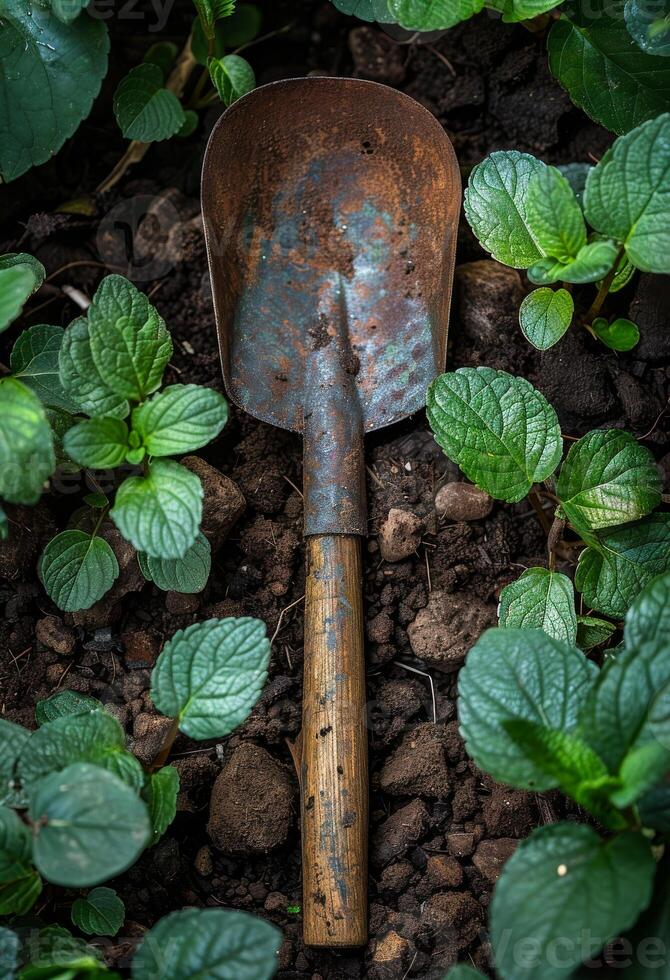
(334, 774)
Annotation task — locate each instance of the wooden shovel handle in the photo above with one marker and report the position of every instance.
(334, 776)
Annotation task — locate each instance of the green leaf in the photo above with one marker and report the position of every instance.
(188, 574)
(576, 174)
(648, 23)
(129, 342)
(545, 315)
(27, 457)
(60, 422)
(500, 430)
(77, 570)
(495, 206)
(556, 679)
(209, 11)
(34, 361)
(540, 599)
(592, 631)
(433, 15)
(160, 794)
(101, 913)
(68, 10)
(645, 765)
(90, 826)
(81, 378)
(571, 764)
(191, 120)
(20, 885)
(64, 703)
(594, 57)
(514, 11)
(15, 836)
(554, 215)
(12, 739)
(145, 110)
(160, 513)
(100, 444)
(621, 334)
(9, 953)
(51, 75)
(244, 24)
(621, 710)
(11, 259)
(210, 675)
(55, 954)
(232, 77)
(179, 419)
(654, 809)
(560, 878)
(369, 10)
(95, 738)
(162, 53)
(628, 193)
(208, 943)
(607, 478)
(4, 524)
(592, 263)
(619, 562)
(16, 285)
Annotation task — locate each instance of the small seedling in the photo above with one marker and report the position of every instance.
(77, 808)
(506, 438)
(528, 216)
(535, 713)
(109, 366)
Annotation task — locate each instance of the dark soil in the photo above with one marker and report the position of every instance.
(440, 830)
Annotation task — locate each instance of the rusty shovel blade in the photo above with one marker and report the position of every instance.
(331, 213)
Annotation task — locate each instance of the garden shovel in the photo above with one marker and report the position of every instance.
(331, 209)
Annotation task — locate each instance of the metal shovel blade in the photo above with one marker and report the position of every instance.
(331, 212)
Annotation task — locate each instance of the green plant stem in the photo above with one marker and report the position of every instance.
(554, 540)
(165, 749)
(536, 504)
(103, 515)
(602, 293)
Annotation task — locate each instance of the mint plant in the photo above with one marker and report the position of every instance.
(506, 438)
(608, 63)
(528, 216)
(77, 808)
(109, 366)
(600, 736)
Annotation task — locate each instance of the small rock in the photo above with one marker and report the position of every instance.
(149, 732)
(182, 603)
(418, 767)
(380, 629)
(488, 296)
(399, 832)
(460, 843)
(391, 957)
(443, 632)
(456, 914)
(509, 812)
(204, 863)
(251, 809)
(400, 535)
(443, 871)
(52, 633)
(142, 648)
(462, 502)
(491, 856)
(223, 503)
(396, 877)
(276, 902)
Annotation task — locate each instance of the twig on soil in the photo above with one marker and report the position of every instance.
(281, 617)
(409, 968)
(425, 555)
(415, 670)
(441, 57)
(653, 428)
(79, 298)
(292, 484)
